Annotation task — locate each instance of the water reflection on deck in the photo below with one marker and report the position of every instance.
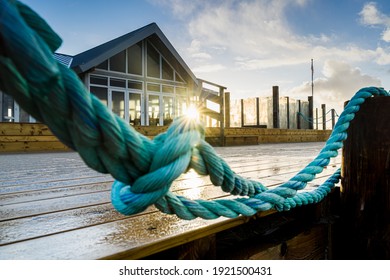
(52, 206)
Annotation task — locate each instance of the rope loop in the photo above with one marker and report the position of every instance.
(144, 169)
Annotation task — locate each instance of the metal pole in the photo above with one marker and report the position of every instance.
(312, 76)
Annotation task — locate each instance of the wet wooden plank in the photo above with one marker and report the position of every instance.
(56, 201)
(28, 138)
(35, 146)
(24, 129)
(82, 212)
(35, 226)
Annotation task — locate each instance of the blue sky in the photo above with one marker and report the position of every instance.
(248, 46)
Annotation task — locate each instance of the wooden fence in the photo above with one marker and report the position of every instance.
(279, 112)
(33, 137)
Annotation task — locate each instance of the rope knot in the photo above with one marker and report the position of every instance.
(172, 156)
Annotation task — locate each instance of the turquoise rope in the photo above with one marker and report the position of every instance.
(144, 169)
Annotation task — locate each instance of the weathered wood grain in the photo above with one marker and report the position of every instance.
(365, 230)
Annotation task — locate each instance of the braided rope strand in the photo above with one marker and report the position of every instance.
(144, 169)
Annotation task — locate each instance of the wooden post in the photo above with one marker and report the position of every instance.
(299, 115)
(333, 118)
(317, 118)
(323, 106)
(200, 101)
(311, 119)
(227, 109)
(275, 105)
(242, 113)
(288, 111)
(222, 115)
(258, 111)
(364, 229)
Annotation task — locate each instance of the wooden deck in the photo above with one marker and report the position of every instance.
(54, 207)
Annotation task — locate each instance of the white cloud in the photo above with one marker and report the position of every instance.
(256, 28)
(371, 16)
(180, 9)
(339, 82)
(206, 68)
(196, 53)
(386, 35)
(248, 40)
(255, 35)
(201, 56)
(382, 56)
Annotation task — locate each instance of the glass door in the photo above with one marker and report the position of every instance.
(168, 110)
(135, 105)
(118, 104)
(154, 110)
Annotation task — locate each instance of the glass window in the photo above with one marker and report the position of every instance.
(153, 62)
(118, 62)
(168, 110)
(135, 108)
(181, 91)
(134, 59)
(178, 78)
(23, 116)
(167, 71)
(154, 110)
(8, 108)
(101, 93)
(117, 83)
(103, 65)
(118, 103)
(97, 80)
(167, 89)
(181, 106)
(153, 87)
(134, 85)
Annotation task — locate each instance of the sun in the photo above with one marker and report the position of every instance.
(192, 113)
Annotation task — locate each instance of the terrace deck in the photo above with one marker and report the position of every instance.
(52, 206)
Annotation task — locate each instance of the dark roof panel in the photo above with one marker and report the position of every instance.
(63, 58)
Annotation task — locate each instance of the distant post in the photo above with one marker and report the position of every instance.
(242, 113)
(257, 111)
(364, 228)
(275, 102)
(333, 118)
(323, 106)
(299, 115)
(288, 111)
(222, 114)
(227, 109)
(311, 119)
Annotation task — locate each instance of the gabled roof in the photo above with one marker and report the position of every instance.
(93, 57)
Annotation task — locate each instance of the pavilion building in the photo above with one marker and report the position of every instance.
(139, 76)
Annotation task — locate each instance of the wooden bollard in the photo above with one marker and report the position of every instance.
(364, 228)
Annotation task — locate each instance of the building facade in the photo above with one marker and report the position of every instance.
(139, 76)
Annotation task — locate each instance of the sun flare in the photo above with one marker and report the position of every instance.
(192, 113)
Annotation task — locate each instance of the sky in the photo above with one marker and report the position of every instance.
(248, 46)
